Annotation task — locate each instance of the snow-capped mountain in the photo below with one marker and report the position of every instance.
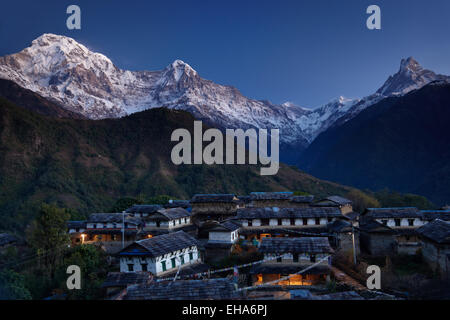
(62, 70)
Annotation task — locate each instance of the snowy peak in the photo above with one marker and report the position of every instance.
(410, 65)
(410, 76)
(176, 72)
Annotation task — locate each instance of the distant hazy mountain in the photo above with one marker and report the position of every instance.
(401, 143)
(68, 73)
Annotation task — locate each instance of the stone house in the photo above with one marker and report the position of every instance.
(221, 238)
(301, 201)
(435, 237)
(344, 205)
(342, 236)
(270, 199)
(217, 207)
(143, 210)
(161, 254)
(291, 256)
(377, 239)
(167, 220)
(272, 222)
(107, 227)
(404, 221)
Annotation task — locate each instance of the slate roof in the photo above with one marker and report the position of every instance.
(373, 226)
(187, 269)
(165, 243)
(400, 212)
(333, 201)
(124, 279)
(430, 215)
(211, 289)
(291, 230)
(144, 208)
(295, 245)
(228, 225)
(280, 268)
(6, 238)
(177, 204)
(244, 199)
(340, 226)
(280, 213)
(76, 224)
(174, 213)
(111, 217)
(437, 231)
(219, 198)
(302, 199)
(270, 195)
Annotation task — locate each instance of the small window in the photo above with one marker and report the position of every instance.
(144, 267)
(397, 222)
(305, 221)
(317, 220)
(182, 259)
(279, 259)
(411, 222)
(249, 223)
(131, 267)
(312, 258)
(330, 219)
(191, 256)
(295, 257)
(173, 263)
(163, 264)
(292, 222)
(279, 222)
(385, 222)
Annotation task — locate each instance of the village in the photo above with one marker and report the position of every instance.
(288, 247)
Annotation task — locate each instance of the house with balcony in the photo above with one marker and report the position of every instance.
(217, 207)
(161, 254)
(167, 220)
(258, 223)
(399, 228)
(286, 257)
(344, 205)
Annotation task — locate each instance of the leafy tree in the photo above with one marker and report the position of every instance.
(389, 198)
(162, 199)
(48, 235)
(124, 203)
(12, 286)
(93, 264)
(362, 201)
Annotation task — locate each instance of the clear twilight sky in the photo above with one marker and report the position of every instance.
(304, 51)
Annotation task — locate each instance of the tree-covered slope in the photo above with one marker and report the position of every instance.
(86, 165)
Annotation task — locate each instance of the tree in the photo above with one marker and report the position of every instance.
(93, 265)
(124, 203)
(362, 201)
(12, 286)
(48, 236)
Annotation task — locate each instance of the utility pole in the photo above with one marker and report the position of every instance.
(354, 245)
(123, 229)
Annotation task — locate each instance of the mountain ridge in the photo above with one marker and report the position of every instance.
(65, 71)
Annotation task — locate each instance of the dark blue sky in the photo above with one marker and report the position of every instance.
(307, 52)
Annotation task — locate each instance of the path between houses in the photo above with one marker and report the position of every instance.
(341, 276)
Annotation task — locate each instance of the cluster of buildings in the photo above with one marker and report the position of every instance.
(173, 245)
